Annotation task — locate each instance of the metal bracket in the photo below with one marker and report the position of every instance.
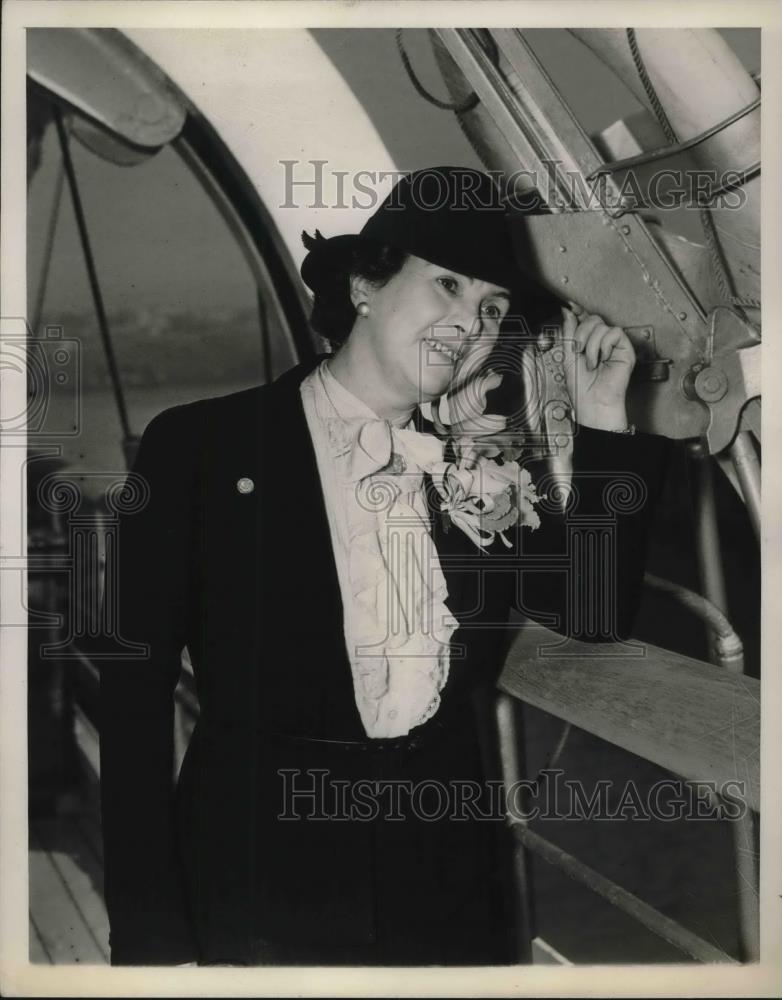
(618, 271)
(728, 379)
(649, 366)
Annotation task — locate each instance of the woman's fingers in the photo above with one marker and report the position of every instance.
(569, 324)
(609, 344)
(592, 337)
(577, 309)
(611, 339)
(594, 343)
(586, 329)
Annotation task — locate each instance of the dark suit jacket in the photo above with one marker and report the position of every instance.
(247, 581)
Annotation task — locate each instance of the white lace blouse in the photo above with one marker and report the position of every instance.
(396, 624)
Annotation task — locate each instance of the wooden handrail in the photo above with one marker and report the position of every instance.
(695, 719)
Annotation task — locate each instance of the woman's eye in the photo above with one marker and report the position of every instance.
(450, 284)
(492, 311)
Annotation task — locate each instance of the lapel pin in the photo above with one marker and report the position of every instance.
(245, 485)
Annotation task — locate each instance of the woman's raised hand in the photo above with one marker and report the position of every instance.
(598, 362)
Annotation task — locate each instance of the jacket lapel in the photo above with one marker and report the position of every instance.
(309, 685)
(293, 528)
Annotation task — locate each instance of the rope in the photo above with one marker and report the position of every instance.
(648, 86)
(721, 269)
(724, 279)
(467, 104)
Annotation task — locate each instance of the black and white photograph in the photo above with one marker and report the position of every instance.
(381, 586)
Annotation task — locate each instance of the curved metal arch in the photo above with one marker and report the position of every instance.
(103, 75)
(223, 178)
(106, 78)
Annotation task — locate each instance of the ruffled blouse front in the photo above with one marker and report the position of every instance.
(396, 624)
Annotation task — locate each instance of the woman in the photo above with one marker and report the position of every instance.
(342, 578)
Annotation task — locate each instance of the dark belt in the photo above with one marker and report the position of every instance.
(418, 738)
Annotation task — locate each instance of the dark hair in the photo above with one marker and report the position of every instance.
(333, 312)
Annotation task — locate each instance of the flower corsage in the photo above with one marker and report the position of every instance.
(484, 491)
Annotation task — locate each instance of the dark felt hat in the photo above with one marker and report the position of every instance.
(451, 216)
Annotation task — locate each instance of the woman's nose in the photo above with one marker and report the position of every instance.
(472, 328)
(468, 324)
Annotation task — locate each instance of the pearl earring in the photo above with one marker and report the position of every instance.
(363, 308)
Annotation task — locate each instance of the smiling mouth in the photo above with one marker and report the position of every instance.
(447, 352)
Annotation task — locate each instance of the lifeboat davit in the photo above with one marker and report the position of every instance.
(690, 305)
(700, 84)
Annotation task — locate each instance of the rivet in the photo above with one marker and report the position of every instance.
(563, 249)
(245, 485)
(682, 315)
(565, 280)
(626, 230)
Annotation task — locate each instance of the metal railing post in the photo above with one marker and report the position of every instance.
(512, 765)
(713, 584)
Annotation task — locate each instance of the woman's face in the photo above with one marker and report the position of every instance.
(426, 321)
